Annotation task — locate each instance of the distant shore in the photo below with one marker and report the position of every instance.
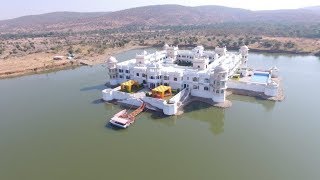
(43, 62)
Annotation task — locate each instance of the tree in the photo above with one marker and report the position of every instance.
(289, 45)
(78, 51)
(176, 42)
(70, 50)
(2, 50)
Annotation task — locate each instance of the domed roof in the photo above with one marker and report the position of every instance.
(166, 46)
(244, 47)
(152, 65)
(274, 68)
(112, 60)
(220, 68)
(273, 84)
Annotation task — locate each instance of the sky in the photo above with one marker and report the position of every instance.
(15, 8)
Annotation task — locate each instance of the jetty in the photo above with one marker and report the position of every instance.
(123, 119)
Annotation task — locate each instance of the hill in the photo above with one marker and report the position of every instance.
(158, 15)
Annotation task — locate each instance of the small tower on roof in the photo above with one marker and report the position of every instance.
(244, 51)
(219, 83)
(141, 58)
(221, 51)
(112, 70)
(200, 63)
(172, 52)
(274, 71)
(198, 50)
(166, 46)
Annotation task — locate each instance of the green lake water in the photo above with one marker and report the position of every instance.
(53, 127)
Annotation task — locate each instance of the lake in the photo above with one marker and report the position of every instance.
(53, 126)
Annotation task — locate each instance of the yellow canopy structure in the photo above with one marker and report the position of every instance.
(127, 86)
(161, 91)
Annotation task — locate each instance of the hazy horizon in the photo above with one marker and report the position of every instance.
(16, 8)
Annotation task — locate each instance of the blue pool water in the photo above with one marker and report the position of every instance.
(260, 78)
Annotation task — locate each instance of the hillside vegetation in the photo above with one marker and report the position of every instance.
(94, 36)
(159, 15)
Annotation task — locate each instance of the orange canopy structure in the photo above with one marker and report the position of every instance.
(127, 86)
(161, 91)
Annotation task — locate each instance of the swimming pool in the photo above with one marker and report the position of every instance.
(260, 78)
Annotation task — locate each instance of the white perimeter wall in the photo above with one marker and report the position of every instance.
(246, 86)
(134, 99)
(159, 103)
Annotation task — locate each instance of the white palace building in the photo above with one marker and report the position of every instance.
(195, 73)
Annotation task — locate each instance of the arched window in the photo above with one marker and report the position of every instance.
(206, 88)
(217, 91)
(195, 79)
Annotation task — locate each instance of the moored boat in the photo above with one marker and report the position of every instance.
(123, 120)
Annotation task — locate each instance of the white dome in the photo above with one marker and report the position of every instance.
(244, 47)
(165, 46)
(112, 60)
(152, 65)
(200, 47)
(273, 84)
(220, 68)
(274, 68)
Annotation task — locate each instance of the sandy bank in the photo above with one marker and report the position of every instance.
(43, 62)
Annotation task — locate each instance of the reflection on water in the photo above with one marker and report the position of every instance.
(159, 117)
(267, 105)
(200, 111)
(99, 87)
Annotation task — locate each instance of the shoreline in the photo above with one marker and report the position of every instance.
(99, 59)
(43, 67)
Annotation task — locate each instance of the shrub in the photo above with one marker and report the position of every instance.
(289, 45)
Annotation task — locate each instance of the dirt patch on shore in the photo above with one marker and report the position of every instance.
(40, 62)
